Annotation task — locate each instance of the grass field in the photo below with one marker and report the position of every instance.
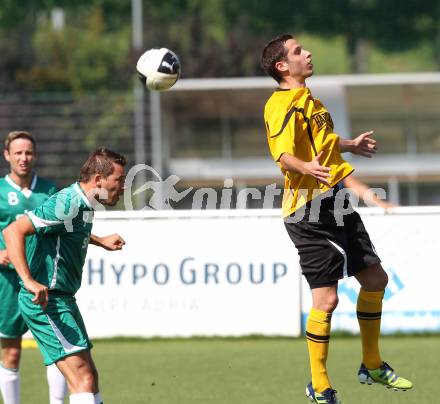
(242, 371)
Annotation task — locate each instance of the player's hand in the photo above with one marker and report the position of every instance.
(4, 259)
(41, 293)
(364, 145)
(316, 170)
(114, 242)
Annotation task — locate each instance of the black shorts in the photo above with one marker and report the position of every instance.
(330, 249)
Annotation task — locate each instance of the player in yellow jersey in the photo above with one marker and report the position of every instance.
(329, 235)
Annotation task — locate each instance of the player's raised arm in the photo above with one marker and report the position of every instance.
(113, 242)
(363, 145)
(364, 192)
(15, 237)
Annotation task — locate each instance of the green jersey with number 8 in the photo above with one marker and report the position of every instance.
(14, 201)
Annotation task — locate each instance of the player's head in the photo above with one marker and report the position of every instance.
(104, 171)
(19, 152)
(284, 58)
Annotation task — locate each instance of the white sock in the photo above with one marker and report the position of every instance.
(82, 398)
(98, 398)
(57, 384)
(10, 385)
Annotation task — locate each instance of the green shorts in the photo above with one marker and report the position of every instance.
(12, 324)
(58, 329)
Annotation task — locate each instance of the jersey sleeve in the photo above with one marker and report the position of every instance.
(55, 215)
(281, 136)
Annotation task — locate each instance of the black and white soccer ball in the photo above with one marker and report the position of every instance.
(158, 68)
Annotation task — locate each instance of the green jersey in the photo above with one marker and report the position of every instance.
(14, 201)
(57, 251)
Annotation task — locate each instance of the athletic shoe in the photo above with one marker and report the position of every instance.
(326, 397)
(383, 375)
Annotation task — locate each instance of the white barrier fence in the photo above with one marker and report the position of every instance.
(236, 273)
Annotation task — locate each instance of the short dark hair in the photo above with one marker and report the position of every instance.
(273, 52)
(100, 162)
(18, 134)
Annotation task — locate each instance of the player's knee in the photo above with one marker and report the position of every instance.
(83, 382)
(87, 381)
(373, 278)
(332, 303)
(328, 304)
(11, 358)
(379, 281)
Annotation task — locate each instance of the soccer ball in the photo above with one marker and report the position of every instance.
(158, 68)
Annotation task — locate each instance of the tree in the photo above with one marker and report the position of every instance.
(389, 24)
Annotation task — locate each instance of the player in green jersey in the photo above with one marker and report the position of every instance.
(20, 191)
(50, 263)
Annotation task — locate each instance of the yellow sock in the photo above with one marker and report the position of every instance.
(369, 312)
(318, 336)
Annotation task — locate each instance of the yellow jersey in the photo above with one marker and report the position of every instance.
(299, 124)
